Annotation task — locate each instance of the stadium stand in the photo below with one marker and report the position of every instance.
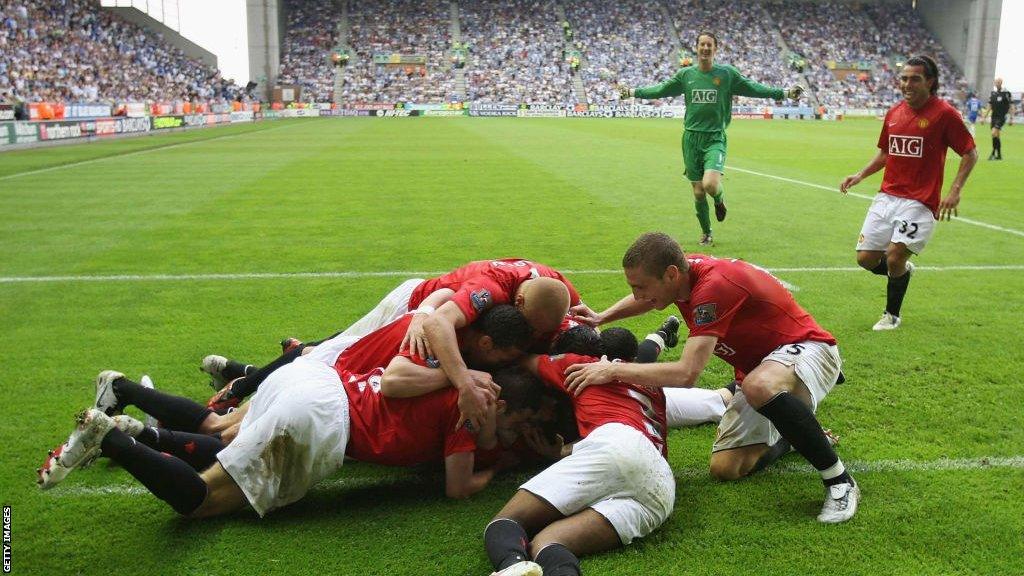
(310, 35)
(516, 52)
(624, 41)
(72, 50)
(418, 28)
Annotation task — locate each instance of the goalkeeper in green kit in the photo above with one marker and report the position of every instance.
(708, 89)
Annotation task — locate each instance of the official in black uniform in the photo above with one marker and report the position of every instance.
(1000, 106)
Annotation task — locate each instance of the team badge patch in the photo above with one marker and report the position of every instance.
(717, 81)
(704, 314)
(481, 299)
(922, 123)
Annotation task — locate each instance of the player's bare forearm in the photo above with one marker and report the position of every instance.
(403, 378)
(625, 308)
(437, 298)
(683, 373)
(876, 164)
(460, 480)
(967, 163)
(440, 330)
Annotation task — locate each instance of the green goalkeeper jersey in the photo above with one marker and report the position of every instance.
(708, 94)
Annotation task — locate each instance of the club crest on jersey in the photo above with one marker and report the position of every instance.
(909, 146)
(481, 299)
(717, 81)
(704, 96)
(705, 314)
(922, 123)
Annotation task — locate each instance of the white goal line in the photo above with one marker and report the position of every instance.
(427, 274)
(783, 469)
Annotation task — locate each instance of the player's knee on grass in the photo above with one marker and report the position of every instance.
(228, 435)
(729, 465)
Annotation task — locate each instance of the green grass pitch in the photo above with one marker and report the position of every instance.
(930, 420)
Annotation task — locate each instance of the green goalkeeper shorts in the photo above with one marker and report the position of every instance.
(703, 151)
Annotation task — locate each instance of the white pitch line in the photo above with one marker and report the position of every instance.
(866, 197)
(788, 469)
(423, 274)
(136, 153)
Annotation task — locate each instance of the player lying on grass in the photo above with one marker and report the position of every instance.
(541, 293)
(615, 486)
(302, 423)
(114, 392)
(785, 360)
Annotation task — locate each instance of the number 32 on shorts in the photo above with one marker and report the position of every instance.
(908, 229)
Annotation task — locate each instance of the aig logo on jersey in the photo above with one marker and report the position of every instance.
(911, 146)
(704, 96)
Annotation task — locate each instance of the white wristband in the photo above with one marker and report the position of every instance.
(424, 310)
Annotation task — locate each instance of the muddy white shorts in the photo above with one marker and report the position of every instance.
(293, 435)
(817, 365)
(616, 471)
(387, 311)
(692, 406)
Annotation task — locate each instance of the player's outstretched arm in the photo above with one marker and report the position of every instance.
(625, 308)
(672, 87)
(876, 164)
(682, 373)
(948, 205)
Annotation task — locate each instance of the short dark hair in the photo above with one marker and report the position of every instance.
(578, 340)
(931, 70)
(654, 252)
(506, 326)
(619, 344)
(696, 40)
(519, 389)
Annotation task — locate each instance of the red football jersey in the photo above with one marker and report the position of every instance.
(374, 350)
(636, 406)
(402, 431)
(916, 143)
(747, 308)
(485, 283)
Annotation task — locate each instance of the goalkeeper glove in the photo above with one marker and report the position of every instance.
(625, 92)
(795, 92)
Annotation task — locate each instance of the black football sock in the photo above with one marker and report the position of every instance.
(168, 478)
(175, 412)
(505, 542)
(997, 146)
(731, 386)
(234, 369)
(648, 350)
(882, 268)
(797, 424)
(895, 291)
(557, 560)
(775, 451)
(198, 450)
(248, 385)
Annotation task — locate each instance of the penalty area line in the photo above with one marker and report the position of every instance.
(784, 469)
(425, 274)
(835, 189)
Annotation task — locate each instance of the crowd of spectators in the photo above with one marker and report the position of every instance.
(516, 52)
(510, 51)
(623, 41)
(747, 40)
(408, 27)
(311, 34)
(74, 51)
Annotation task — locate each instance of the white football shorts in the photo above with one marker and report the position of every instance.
(817, 365)
(293, 436)
(896, 220)
(616, 471)
(692, 406)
